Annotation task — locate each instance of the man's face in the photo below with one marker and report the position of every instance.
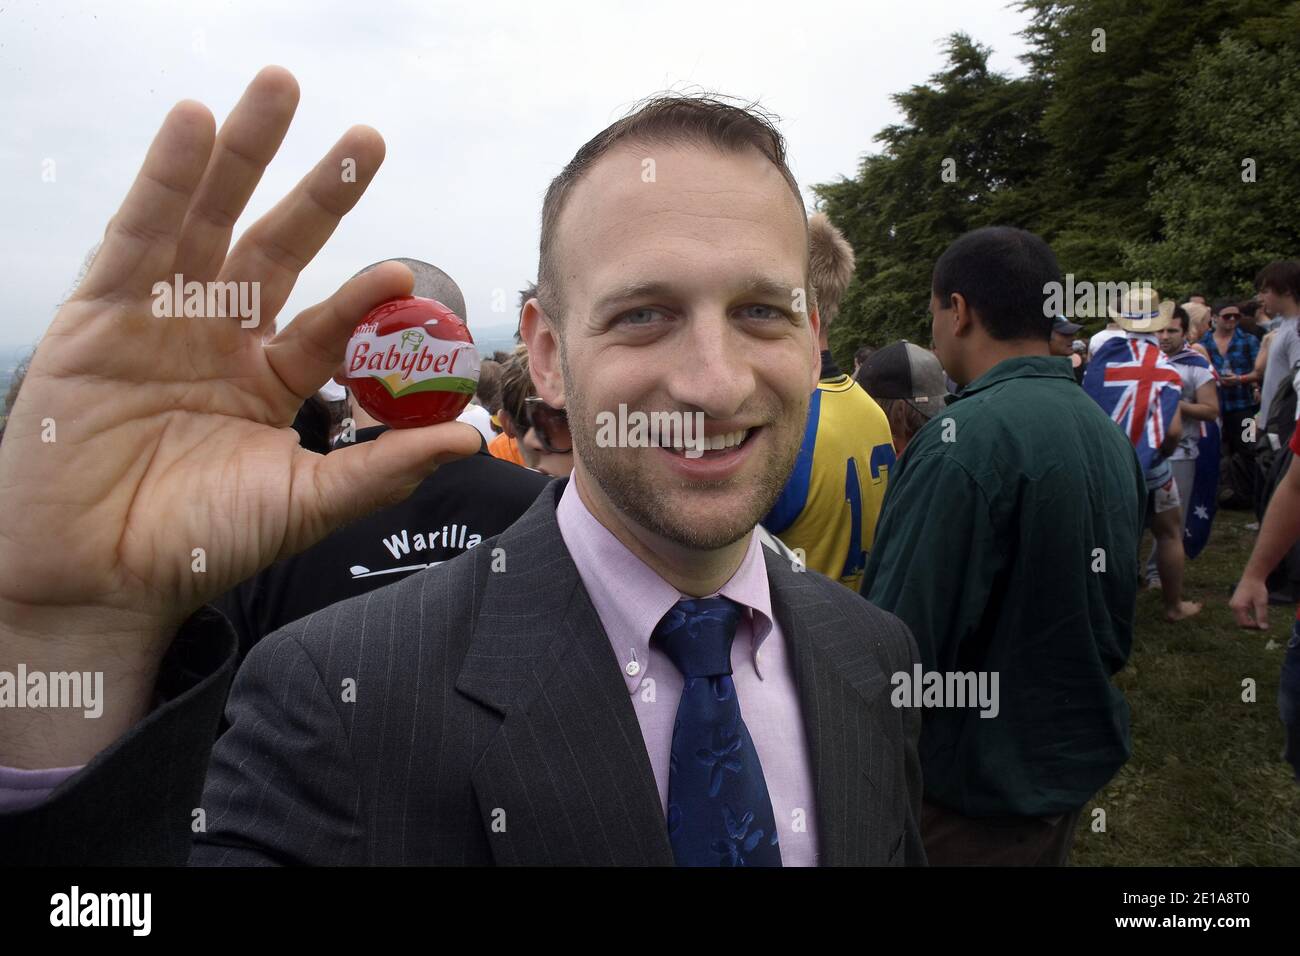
(680, 296)
(1062, 343)
(1171, 339)
(1269, 300)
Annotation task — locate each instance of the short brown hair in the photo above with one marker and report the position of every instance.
(830, 266)
(488, 391)
(903, 417)
(673, 118)
(527, 292)
(516, 384)
(1281, 278)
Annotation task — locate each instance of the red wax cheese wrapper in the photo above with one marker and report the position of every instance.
(411, 362)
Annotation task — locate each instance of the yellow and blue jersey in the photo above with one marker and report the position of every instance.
(830, 504)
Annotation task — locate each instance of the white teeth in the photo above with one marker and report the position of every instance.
(728, 440)
(714, 442)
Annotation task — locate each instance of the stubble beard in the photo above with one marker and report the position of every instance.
(656, 506)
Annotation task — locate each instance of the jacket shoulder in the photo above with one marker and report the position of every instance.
(439, 603)
(812, 597)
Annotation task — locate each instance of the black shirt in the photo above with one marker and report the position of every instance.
(461, 504)
(829, 368)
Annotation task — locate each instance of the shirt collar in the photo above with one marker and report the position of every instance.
(829, 368)
(631, 598)
(1020, 366)
(1207, 340)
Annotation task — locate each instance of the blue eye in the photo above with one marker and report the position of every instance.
(639, 316)
(762, 312)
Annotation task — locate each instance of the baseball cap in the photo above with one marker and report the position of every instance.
(906, 371)
(1062, 326)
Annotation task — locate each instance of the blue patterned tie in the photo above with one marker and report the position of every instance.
(719, 812)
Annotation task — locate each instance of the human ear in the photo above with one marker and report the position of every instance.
(538, 331)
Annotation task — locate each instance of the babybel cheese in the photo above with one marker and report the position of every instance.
(412, 362)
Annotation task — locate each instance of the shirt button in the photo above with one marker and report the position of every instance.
(633, 668)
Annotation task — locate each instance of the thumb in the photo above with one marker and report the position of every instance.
(351, 482)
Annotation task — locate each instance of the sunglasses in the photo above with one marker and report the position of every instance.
(552, 425)
(1234, 316)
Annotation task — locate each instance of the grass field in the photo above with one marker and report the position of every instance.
(1206, 784)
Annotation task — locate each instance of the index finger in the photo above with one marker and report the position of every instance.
(247, 141)
(140, 241)
(278, 246)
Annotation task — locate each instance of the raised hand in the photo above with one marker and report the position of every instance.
(147, 465)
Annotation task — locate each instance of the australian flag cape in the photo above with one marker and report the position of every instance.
(1204, 500)
(1135, 384)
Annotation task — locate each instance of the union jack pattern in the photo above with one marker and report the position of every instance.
(1137, 386)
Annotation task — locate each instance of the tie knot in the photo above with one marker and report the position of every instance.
(696, 635)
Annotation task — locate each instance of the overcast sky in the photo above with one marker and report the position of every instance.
(481, 103)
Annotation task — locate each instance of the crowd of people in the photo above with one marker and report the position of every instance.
(842, 635)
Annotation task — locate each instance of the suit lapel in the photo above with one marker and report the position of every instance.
(843, 694)
(565, 778)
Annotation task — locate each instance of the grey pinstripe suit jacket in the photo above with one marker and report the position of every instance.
(490, 724)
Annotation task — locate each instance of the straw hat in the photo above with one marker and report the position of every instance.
(1141, 310)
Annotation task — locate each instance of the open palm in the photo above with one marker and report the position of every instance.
(171, 474)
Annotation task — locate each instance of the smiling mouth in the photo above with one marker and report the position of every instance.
(715, 446)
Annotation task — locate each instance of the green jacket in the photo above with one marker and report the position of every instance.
(1008, 543)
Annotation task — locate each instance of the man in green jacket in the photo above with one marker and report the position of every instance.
(1008, 544)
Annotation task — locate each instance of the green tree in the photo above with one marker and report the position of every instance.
(956, 162)
(1112, 69)
(1122, 146)
(1227, 192)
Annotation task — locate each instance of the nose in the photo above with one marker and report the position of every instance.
(711, 372)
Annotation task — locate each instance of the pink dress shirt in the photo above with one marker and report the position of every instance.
(630, 599)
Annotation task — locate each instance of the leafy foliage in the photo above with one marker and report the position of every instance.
(1122, 146)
